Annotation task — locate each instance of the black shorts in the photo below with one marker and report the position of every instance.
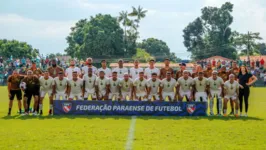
(16, 93)
(29, 93)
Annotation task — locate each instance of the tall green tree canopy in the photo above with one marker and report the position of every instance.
(209, 34)
(16, 49)
(101, 36)
(155, 47)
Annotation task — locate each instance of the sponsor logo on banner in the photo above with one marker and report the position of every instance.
(191, 108)
(66, 107)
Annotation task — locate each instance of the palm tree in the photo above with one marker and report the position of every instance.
(126, 22)
(139, 13)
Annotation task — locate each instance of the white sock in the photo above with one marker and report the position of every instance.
(236, 111)
(224, 111)
(40, 105)
(220, 105)
(211, 105)
(51, 106)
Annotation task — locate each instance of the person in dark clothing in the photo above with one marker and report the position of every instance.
(245, 79)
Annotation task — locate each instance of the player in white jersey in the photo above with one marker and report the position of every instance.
(60, 86)
(154, 85)
(114, 87)
(107, 71)
(75, 87)
(184, 87)
(140, 87)
(89, 85)
(200, 86)
(89, 65)
(216, 91)
(168, 85)
(121, 70)
(102, 86)
(151, 69)
(134, 71)
(231, 91)
(46, 84)
(70, 69)
(126, 87)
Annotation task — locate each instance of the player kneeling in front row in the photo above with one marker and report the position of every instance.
(154, 85)
(184, 87)
(46, 84)
(102, 86)
(167, 87)
(60, 86)
(140, 87)
(200, 87)
(89, 85)
(216, 91)
(126, 87)
(231, 89)
(114, 92)
(75, 87)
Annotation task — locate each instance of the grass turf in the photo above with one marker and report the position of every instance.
(111, 132)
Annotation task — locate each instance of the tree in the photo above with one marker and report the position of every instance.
(247, 43)
(16, 49)
(173, 58)
(139, 13)
(142, 55)
(101, 36)
(262, 48)
(209, 34)
(155, 47)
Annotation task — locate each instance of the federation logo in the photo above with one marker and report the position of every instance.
(67, 107)
(191, 108)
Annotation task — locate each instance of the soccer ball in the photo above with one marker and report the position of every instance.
(23, 85)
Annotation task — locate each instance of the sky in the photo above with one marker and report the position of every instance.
(45, 24)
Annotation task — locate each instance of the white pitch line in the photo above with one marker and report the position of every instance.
(131, 131)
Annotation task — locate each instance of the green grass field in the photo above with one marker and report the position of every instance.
(112, 132)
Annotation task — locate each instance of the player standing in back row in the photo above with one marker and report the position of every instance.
(121, 70)
(151, 69)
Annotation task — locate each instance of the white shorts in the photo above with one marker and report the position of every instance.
(102, 93)
(125, 94)
(170, 94)
(231, 97)
(90, 92)
(216, 93)
(141, 95)
(77, 96)
(114, 95)
(43, 93)
(202, 95)
(59, 95)
(154, 95)
(187, 93)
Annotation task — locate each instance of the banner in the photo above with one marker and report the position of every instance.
(130, 108)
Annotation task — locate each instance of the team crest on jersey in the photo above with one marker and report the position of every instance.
(67, 107)
(191, 108)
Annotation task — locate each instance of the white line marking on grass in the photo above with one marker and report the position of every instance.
(131, 131)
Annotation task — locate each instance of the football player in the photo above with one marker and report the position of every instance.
(151, 69)
(184, 87)
(114, 87)
(102, 86)
(89, 85)
(167, 87)
(134, 71)
(154, 85)
(60, 86)
(200, 86)
(121, 70)
(140, 87)
(75, 87)
(126, 87)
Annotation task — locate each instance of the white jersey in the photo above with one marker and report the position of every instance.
(148, 72)
(107, 72)
(89, 82)
(120, 72)
(154, 85)
(140, 86)
(185, 84)
(126, 85)
(86, 68)
(200, 85)
(76, 86)
(168, 86)
(61, 85)
(102, 83)
(134, 72)
(69, 71)
(46, 84)
(215, 85)
(231, 88)
(114, 85)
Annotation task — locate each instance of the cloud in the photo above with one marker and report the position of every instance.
(85, 4)
(13, 25)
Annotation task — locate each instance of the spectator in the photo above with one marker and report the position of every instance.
(262, 63)
(213, 63)
(253, 63)
(258, 63)
(1, 59)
